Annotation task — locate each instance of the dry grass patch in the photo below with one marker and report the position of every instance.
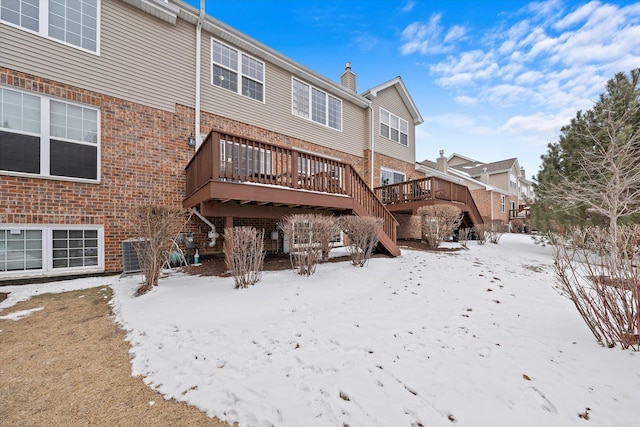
(68, 364)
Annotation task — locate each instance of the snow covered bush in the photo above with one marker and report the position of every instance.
(155, 225)
(600, 276)
(438, 223)
(364, 234)
(244, 254)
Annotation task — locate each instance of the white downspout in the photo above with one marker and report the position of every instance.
(196, 132)
(371, 142)
(491, 200)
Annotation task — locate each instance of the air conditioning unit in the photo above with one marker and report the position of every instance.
(130, 263)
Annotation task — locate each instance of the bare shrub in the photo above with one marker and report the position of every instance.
(480, 233)
(602, 281)
(464, 234)
(517, 225)
(364, 233)
(324, 229)
(244, 254)
(438, 223)
(156, 225)
(495, 231)
(304, 249)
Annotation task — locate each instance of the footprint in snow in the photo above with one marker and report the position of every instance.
(542, 400)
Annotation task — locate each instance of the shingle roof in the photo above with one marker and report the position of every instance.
(476, 168)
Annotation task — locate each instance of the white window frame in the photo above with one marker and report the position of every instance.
(382, 169)
(395, 123)
(303, 107)
(47, 251)
(238, 71)
(45, 139)
(43, 26)
(240, 164)
(503, 203)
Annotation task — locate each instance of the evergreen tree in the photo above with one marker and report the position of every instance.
(591, 176)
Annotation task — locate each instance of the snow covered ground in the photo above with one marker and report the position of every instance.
(476, 337)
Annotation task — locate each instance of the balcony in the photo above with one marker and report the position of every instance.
(409, 196)
(231, 176)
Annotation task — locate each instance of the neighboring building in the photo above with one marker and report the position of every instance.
(99, 99)
(500, 189)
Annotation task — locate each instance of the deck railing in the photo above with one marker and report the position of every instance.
(226, 157)
(428, 188)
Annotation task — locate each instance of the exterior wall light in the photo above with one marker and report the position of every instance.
(191, 141)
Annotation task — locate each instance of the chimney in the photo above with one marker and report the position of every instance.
(522, 173)
(442, 162)
(348, 78)
(484, 176)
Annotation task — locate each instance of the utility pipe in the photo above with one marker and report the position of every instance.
(371, 137)
(212, 234)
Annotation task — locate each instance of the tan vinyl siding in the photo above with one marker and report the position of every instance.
(390, 100)
(275, 113)
(142, 59)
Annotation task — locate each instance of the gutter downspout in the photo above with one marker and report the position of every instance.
(198, 63)
(371, 143)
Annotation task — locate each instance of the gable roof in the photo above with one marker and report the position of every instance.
(404, 94)
(476, 168)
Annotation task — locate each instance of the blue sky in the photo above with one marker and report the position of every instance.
(493, 79)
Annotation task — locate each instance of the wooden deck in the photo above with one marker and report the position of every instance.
(231, 176)
(409, 196)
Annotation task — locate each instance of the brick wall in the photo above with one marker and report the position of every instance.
(143, 155)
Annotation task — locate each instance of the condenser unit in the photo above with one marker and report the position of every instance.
(130, 263)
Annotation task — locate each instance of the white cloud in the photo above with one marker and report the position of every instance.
(529, 77)
(426, 37)
(408, 7)
(456, 32)
(579, 15)
(466, 69)
(466, 100)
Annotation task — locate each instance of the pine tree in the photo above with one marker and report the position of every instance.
(591, 176)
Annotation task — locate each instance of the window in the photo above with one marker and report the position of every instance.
(50, 249)
(243, 160)
(46, 137)
(314, 104)
(502, 204)
(394, 128)
(74, 22)
(236, 71)
(388, 177)
(513, 182)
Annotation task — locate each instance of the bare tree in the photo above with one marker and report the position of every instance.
(156, 225)
(244, 254)
(438, 223)
(364, 234)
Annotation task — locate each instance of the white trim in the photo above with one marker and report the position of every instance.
(45, 139)
(400, 122)
(238, 71)
(47, 251)
(392, 171)
(327, 95)
(43, 27)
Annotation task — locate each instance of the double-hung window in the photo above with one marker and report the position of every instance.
(74, 22)
(316, 105)
(48, 137)
(503, 204)
(237, 71)
(394, 128)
